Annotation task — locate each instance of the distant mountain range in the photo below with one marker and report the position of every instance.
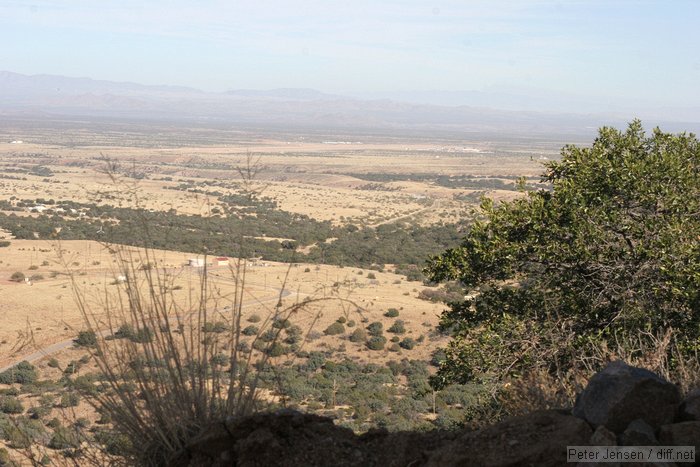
(60, 96)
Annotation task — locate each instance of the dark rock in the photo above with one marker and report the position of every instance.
(690, 407)
(681, 434)
(538, 439)
(638, 433)
(622, 393)
(603, 437)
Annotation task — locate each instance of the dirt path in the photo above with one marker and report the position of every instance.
(434, 206)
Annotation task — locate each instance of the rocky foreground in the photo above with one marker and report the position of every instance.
(621, 406)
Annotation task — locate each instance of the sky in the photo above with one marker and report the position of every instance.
(623, 49)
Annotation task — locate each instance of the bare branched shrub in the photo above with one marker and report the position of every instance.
(172, 365)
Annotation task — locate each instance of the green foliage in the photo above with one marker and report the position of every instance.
(398, 327)
(215, 327)
(610, 253)
(64, 438)
(17, 276)
(334, 329)
(86, 339)
(407, 343)
(391, 313)
(251, 330)
(375, 329)
(22, 373)
(280, 323)
(69, 399)
(11, 405)
(358, 335)
(376, 342)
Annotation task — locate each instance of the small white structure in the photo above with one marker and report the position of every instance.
(222, 261)
(196, 262)
(121, 278)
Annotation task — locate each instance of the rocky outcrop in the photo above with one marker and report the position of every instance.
(620, 394)
(621, 406)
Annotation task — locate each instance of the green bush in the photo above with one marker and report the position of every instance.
(358, 335)
(376, 343)
(11, 405)
(407, 343)
(220, 359)
(86, 339)
(64, 438)
(607, 258)
(334, 329)
(268, 336)
(391, 313)
(17, 276)
(215, 327)
(69, 399)
(39, 412)
(398, 327)
(281, 323)
(277, 350)
(375, 329)
(254, 318)
(251, 330)
(22, 373)
(114, 443)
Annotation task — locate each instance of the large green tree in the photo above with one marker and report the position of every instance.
(610, 252)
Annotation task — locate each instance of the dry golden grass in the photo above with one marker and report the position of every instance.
(306, 178)
(44, 313)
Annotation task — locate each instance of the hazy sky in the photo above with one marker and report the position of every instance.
(632, 49)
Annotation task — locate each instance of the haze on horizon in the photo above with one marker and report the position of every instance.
(619, 56)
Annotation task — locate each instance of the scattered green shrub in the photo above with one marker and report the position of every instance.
(22, 373)
(391, 313)
(251, 330)
(85, 339)
(375, 329)
(358, 335)
(11, 405)
(334, 329)
(407, 343)
(376, 343)
(17, 276)
(398, 327)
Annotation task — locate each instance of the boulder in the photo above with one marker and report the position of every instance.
(539, 438)
(681, 434)
(621, 393)
(638, 433)
(690, 407)
(603, 437)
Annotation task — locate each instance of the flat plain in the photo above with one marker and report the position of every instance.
(363, 183)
